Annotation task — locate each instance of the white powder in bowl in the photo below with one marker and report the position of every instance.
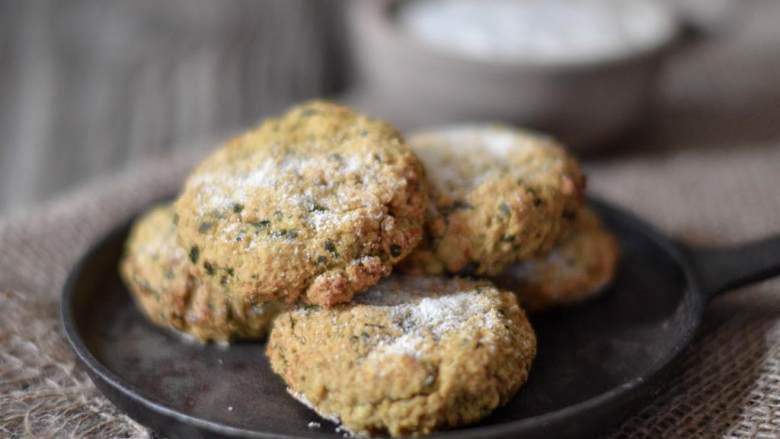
(538, 31)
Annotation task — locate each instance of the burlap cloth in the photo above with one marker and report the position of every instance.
(706, 169)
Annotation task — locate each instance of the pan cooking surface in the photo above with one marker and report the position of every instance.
(635, 328)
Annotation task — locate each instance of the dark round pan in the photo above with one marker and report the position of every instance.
(597, 361)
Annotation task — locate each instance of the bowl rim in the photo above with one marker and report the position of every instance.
(378, 18)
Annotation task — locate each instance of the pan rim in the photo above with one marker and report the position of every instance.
(631, 390)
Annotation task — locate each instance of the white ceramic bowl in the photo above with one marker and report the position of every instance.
(585, 103)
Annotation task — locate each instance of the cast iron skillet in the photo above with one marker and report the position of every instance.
(597, 361)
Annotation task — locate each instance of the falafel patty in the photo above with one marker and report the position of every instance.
(498, 195)
(579, 267)
(158, 274)
(315, 206)
(412, 355)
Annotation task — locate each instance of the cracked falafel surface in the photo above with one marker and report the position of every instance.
(158, 274)
(498, 195)
(313, 206)
(412, 355)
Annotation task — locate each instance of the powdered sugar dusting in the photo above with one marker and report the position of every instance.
(162, 244)
(326, 191)
(305, 401)
(462, 157)
(440, 316)
(555, 260)
(422, 315)
(496, 140)
(407, 344)
(329, 219)
(220, 190)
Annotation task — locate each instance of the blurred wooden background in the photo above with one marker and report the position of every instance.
(87, 86)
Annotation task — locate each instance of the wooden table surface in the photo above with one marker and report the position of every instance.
(88, 86)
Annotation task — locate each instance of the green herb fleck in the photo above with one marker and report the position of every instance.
(535, 194)
(330, 246)
(314, 207)
(230, 271)
(194, 254)
(262, 224)
(460, 204)
(504, 209)
(470, 269)
(209, 268)
(238, 207)
(284, 233)
(457, 205)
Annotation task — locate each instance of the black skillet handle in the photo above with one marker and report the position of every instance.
(723, 269)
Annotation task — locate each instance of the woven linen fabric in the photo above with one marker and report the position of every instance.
(705, 169)
(43, 393)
